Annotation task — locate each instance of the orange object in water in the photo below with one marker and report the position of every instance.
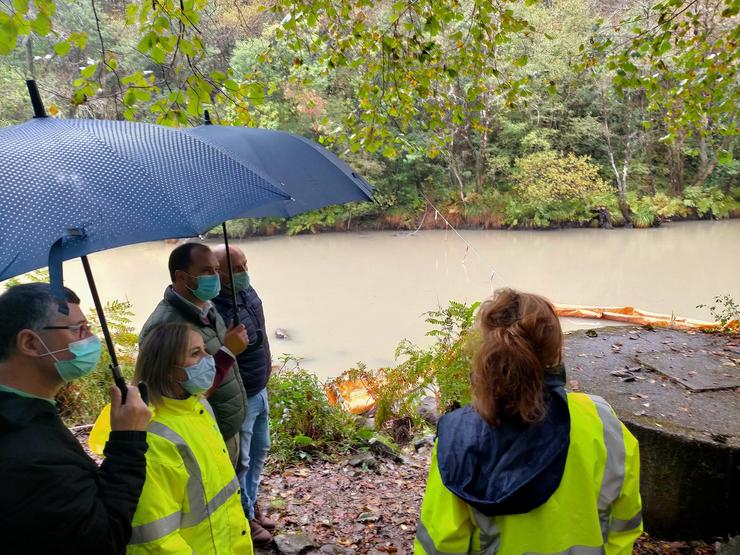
(639, 317)
(353, 395)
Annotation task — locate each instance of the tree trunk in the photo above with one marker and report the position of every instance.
(620, 177)
(480, 168)
(706, 164)
(624, 206)
(676, 166)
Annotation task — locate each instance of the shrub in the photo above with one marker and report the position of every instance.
(442, 369)
(707, 202)
(549, 187)
(303, 422)
(724, 309)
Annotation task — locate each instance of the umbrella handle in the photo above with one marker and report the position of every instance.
(144, 392)
(257, 344)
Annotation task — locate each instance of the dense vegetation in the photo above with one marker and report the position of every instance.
(479, 113)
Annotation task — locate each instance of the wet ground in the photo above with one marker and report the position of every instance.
(340, 509)
(679, 382)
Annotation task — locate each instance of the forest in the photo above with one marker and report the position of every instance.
(483, 114)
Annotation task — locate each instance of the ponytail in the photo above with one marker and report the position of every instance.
(520, 339)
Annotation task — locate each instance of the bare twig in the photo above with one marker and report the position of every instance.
(104, 59)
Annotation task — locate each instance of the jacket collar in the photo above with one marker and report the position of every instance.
(188, 308)
(180, 407)
(17, 411)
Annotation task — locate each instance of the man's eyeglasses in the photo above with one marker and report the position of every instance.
(80, 330)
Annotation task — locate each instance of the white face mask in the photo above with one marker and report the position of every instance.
(200, 376)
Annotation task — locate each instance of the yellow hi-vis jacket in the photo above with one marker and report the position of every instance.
(191, 499)
(595, 510)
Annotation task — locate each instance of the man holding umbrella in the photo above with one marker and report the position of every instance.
(54, 497)
(194, 272)
(255, 364)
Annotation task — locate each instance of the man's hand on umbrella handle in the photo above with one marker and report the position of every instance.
(236, 339)
(133, 416)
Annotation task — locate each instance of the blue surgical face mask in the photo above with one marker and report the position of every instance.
(241, 281)
(86, 357)
(200, 376)
(209, 285)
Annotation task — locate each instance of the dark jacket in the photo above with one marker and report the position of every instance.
(54, 497)
(507, 469)
(255, 363)
(229, 402)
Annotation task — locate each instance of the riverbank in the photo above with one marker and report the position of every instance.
(336, 508)
(494, 212)
(347, 510)
(358, 498)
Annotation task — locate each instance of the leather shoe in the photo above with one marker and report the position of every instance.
(263, 519)
(260, 536)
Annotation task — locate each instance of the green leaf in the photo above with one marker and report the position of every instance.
(158, 54)
(129, 97)
(41, 25)
(20, 6)
(89, 71)
(8, 38)
(302, 440)
(143, 95)
(62, 48)
(132, 10)
(724, 157)
(521, 61)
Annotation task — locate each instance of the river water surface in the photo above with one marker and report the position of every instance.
(348, 297)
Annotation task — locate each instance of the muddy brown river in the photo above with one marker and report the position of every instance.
(348, 297)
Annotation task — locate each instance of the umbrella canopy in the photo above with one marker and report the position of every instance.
(313, 176)
(90, 185)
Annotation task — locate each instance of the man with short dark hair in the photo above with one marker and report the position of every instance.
(194, 273)
(255, 364)
(54, 497)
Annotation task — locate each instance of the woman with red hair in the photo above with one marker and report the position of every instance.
(527, 467)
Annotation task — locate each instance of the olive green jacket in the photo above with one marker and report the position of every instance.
(229, 401)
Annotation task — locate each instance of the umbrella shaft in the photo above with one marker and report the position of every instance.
(115, 369)
(231, 275)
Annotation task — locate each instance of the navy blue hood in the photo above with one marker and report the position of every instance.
(507, 469)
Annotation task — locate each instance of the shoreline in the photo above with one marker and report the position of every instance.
(274, 228)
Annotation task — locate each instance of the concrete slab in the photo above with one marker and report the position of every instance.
(675, 391)
(697, 371)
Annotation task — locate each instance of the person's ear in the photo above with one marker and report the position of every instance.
(27, 343)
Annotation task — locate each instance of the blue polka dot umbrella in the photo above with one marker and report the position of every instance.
(97, 184)
(72, 187)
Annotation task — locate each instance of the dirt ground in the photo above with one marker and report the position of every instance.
(345, 509)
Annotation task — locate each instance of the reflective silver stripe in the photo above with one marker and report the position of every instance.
(152, 531)
(490, 536)
(575, 550)
(423, 537)
(619, 525)
(223, 496)
(195, 489)
(611, 484)
(199, 509)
